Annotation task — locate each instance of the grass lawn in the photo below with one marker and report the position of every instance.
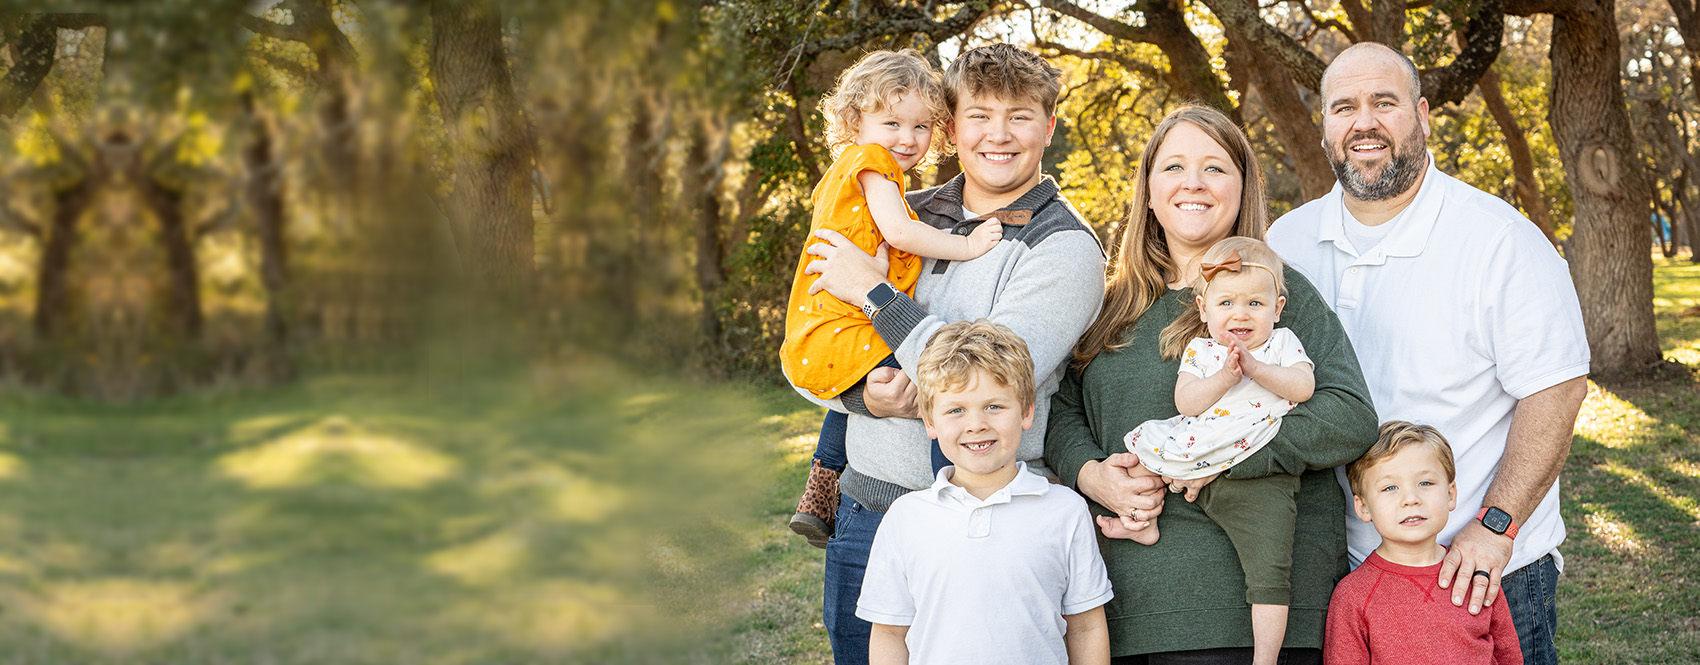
(369, 520)
(1631, 497)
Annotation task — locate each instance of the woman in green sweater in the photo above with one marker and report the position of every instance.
(1183, 600)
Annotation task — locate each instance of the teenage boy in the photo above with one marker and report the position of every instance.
(1389, 610)
(1045, 281)
(991, 563)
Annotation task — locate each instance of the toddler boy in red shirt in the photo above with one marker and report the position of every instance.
(1392, 609)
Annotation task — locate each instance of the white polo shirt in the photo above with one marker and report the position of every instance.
(985, 581)
(1461, 311)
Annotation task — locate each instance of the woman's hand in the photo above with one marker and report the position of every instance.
(1191, 487)
(1122, 485)
(846, 272)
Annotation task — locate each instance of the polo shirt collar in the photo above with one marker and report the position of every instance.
(1025, 484)
(1412, 225)
(947, 201)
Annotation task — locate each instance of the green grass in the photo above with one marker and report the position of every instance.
(575, 514)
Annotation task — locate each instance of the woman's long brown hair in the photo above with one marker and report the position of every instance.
(1141, 270)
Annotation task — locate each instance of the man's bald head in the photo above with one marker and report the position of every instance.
(1359, 55)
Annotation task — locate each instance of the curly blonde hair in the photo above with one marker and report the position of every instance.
(957, 350)
(871, 85)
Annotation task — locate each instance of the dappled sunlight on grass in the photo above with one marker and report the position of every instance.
(551, 616)
(1636, 478)
(1609, 420)
(311, 454)
(483, 561)
(11, 466)
(1676, 304)
(114, 615)
(1618, 536)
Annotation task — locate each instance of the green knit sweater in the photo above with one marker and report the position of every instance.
(1187, 592)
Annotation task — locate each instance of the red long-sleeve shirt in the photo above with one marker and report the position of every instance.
(1387, 613)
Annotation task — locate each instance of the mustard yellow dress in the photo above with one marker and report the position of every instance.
(830, 345)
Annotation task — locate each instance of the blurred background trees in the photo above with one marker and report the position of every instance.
(201, 194)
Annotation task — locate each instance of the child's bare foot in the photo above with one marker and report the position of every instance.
(1124, 528)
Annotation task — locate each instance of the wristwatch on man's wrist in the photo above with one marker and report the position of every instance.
(878, 298)
(1498, 521)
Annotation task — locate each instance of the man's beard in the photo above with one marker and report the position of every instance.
(1397, 176)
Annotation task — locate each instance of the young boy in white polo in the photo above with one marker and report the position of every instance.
(990, 564)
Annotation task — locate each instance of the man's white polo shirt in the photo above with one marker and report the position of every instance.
(1461, 311)
(985, 581)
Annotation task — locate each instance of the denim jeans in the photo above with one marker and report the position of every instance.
(1532, 596)
(846, 564)
(829, 448)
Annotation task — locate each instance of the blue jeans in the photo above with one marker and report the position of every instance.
(846, 564)
(1532, 596)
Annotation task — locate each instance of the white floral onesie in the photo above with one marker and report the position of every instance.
(1233, 428)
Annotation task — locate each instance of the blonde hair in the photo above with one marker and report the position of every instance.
(870, 86)
(956, 351)
(1142, 269)
(1394, 436)
(1003, 71)
(1190, 325)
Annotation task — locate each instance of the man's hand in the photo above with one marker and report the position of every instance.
(888, 393)
(846, 272)
(1475, 548)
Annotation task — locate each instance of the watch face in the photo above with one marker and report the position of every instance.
(1497, 520)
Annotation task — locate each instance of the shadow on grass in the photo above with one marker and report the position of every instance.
(369, 520)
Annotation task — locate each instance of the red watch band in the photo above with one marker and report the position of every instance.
(1510, 531)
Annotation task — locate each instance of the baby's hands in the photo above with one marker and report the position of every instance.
(984, 237)
(1232, 365)
(1249, 364)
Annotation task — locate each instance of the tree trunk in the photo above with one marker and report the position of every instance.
(53, 288)
(1611, 264)
(705, 200)
(1291, 118)
(183, 295)
(1527, 186)
(265, 198)
(1191, 73)
(489, 143)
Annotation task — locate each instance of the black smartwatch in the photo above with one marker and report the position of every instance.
(878, 298)
(1498, 521)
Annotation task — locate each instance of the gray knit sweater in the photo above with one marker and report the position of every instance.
(1045, 281)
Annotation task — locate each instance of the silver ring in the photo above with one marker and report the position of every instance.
(1175, 487)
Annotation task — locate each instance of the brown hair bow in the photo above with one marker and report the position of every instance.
(1232, 263)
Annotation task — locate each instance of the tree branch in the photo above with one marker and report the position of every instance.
(1126, 63)
(38, 41)
(1452, 83)
(1108, 26)
(937, 30)
(259, 26)
(1305, 67)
